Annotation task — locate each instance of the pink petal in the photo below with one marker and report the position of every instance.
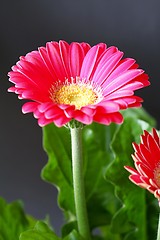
(151, 189)
(140, 158)
(147, 154)
(123, 66)
(154, 148)
(157, 193)
(89, 62)
(144, 138)
(37, 114)
(104, 69)
(131, 170)
(82, 117)
(60, 122)
(45, 106)
(143, 78)
(137, 180)
(130, 101)
(77, 55)
(54, 54)
(119, 94)
(43, 121)
(106, 54)
(86, 47)
(107, 107)
(108, 118)
(145, 171)
(29, 107)
(44, 55)
(111, 85)
(33, 57)
(129, 87)
(69, 111)
(153, 183)
(64, 52)
(88, 110)
(136, 147)
(12, 89)
(53, 113)
(155, 136)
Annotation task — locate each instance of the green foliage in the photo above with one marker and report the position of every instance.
(73, 235)
(139, 114)
(131, 217)
(13, 220)
(40, 232)
(96, 140)
(58, 170)
(116, 207)
(97, 157)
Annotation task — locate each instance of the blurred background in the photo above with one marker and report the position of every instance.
(132, 26)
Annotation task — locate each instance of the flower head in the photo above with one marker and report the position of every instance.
(76, 81)
(147, 162)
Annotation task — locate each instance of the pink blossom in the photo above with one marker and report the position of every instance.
(76, 81)
(147, 163)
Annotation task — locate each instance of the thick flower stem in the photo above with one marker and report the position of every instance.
(158, 232)
(78, 183)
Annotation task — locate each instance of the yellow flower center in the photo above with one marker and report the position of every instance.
(74, 94)
(157, 175)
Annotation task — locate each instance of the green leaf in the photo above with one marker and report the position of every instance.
(56, 142)
(103, 172)
(40, 232)
(97, 156)
(130, 220)
(139, 113)
(152, 215)
(73, 235)
(68, 227)
(31, 221)
(12, 220)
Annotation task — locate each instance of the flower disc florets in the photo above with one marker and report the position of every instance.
(76, 81)
(76, 93)
(157, 174)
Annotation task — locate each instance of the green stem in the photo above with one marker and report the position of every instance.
(158, 232)
(78, 183)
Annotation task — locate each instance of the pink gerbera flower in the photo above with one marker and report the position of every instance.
(76, 81)
(147, 162)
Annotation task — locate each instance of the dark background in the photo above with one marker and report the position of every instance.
(132, 26)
